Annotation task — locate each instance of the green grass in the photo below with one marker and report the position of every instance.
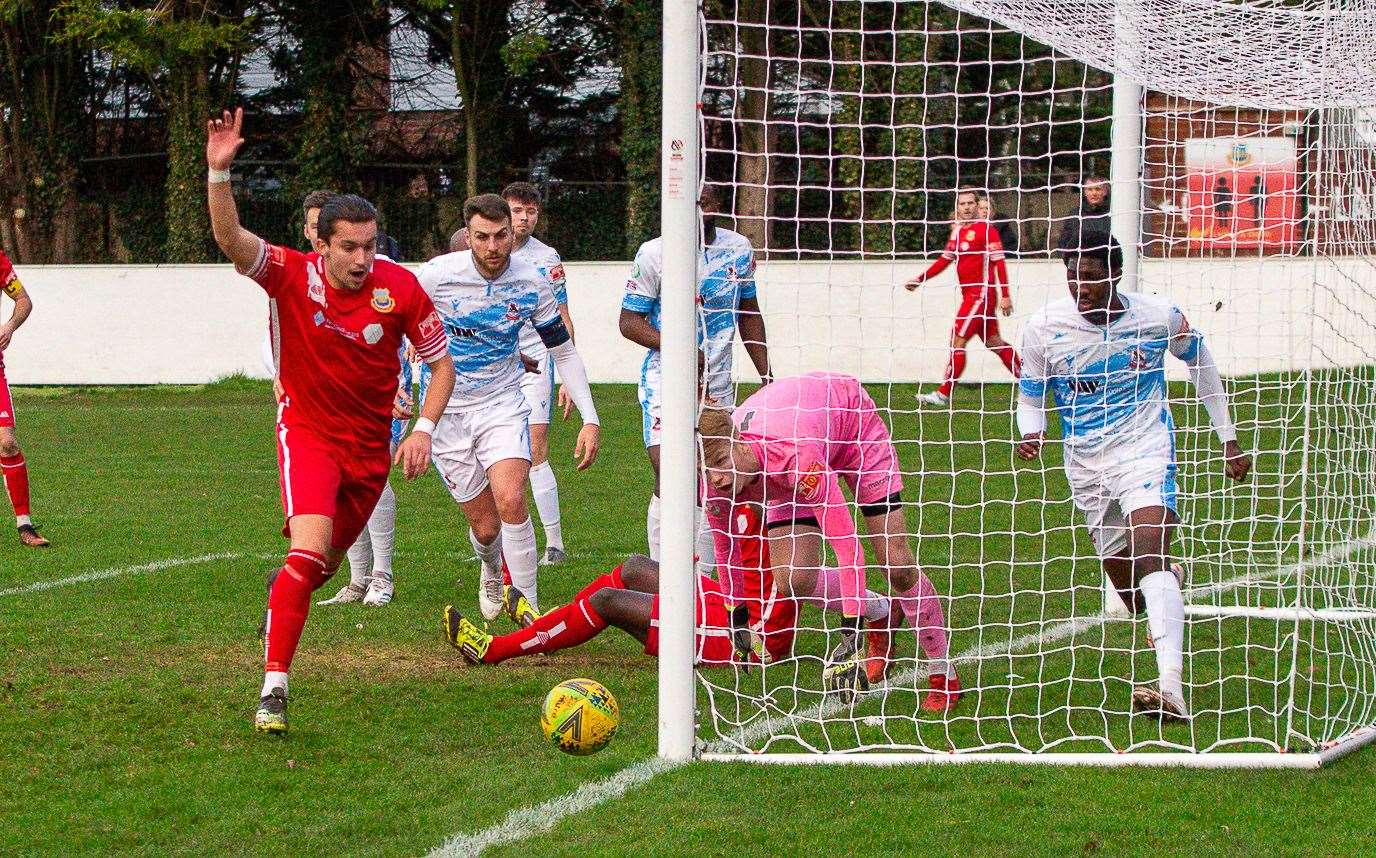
(126, 701)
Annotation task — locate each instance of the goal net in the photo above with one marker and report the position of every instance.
(1237, 145)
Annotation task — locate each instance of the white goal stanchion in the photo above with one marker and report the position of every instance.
(1235, 144)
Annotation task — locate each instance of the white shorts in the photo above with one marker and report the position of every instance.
(1110, 484)
(467, 443)
(538, 389)
(650, 406)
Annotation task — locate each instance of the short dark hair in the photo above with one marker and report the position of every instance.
(346, 207)
(522, 192)
(971, 189)
(316, 200)
(489, 206)
(1093, 243)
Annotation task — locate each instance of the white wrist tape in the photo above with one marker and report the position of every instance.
(214, 176)
(424, 424)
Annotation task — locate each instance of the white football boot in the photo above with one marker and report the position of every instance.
(380, 589)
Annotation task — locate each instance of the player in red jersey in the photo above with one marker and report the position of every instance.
(338, 317)
(975, 248)
(627, 597)
(11, 457)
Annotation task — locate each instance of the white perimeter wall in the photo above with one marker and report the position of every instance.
(196, 323)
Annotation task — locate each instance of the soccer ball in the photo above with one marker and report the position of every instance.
(580, 716)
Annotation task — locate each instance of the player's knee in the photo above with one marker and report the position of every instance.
(639, 572)
(486, 531)
(9, 445)
(903, 578)
(511, 506)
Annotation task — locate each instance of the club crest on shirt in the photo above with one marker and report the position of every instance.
(969, 235)
(383, 301)
(513, 313)
(809, 486)
(1137, 360)
(372, 333)
(718, 506)
(556, 273)
(315, 287)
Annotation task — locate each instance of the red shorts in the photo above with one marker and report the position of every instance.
(6, 404)
(976, 316)
(321, 479)
(711, 627)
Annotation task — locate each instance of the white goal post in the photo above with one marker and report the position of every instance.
(1234, 142)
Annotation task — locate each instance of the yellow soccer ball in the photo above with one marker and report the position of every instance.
(580, 716)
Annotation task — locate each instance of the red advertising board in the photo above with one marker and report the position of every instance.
(1241, 192)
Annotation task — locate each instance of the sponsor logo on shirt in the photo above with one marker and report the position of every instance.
(372, 333)
(319, 318)
(810, 485)
(965, 245)
(383, 301)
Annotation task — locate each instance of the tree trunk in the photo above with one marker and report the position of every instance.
(754, 198)
(188, 218)
(639, 35)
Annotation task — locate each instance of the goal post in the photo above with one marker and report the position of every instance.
(1236, 140)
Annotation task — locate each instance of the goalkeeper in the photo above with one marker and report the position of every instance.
(789, 446)
(1102, 352)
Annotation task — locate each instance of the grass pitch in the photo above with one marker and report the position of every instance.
(129, 663)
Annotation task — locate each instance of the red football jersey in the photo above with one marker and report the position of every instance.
(10, 285)
(976, 250)
(338, 349)
(773, 616)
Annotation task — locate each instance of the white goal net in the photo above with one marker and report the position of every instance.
(1236, 143)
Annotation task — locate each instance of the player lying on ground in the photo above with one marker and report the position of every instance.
(482, 445)
(11, 456)
(628, 598)
(726, 302)
(975, 248)
(1102, 352)
(338, 316)
(789, 446)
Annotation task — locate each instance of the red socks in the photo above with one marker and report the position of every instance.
(566, 626)
(288, 604)
(16, 482)
(954, 370)
(1010, 359)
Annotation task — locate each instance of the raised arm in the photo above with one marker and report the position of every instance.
(223, 140)
(1188, 345)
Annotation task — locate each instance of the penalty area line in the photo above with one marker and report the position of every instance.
(120, 571)
(529, 821)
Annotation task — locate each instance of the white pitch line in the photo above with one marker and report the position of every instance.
(526, 822)
(119, 571)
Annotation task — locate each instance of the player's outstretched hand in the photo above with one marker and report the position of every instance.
(531, 364)
(223, 139)
(1236, 464)
(1031, 446)
(912, 284)
(588, 445)
(6, 334)
(1006, 306)
(565, 401)
(277, 390)
(413, 454)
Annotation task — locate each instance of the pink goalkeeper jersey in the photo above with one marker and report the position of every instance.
(809, 431)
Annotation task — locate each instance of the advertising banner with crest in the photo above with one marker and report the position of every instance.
(1242, 192)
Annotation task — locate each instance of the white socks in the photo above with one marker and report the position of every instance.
(546, 491)
(1166, 619)
(489, 555)
(373, 548)
(361, 559)
(382, 527)
(274, 679)
(652, 527)
(518, 546)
